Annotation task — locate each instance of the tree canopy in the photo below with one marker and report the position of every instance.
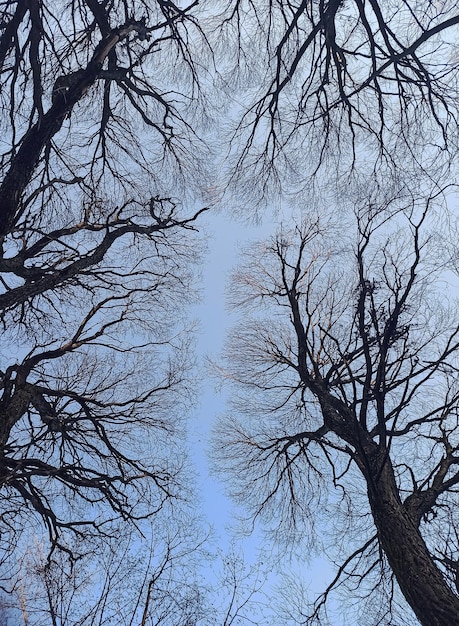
(123, 121)
(345, 401)
(339, 86)
(96, 263)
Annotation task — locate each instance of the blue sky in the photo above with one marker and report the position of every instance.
(226, 237)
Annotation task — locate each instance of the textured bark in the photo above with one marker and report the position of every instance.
(419, 579)
(363, 352)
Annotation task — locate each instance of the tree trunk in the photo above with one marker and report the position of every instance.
(420, 581)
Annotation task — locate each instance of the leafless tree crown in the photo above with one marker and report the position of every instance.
(96, 261)
(345, 384)
(338, 83)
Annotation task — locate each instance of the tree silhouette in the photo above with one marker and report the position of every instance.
(338, 84)
(346, 402)
(95, 370)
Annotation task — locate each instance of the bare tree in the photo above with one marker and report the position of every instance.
(90, 75)
(345, 379)
(164, 580)
(153, 581)
(330, 80)
(96, 262)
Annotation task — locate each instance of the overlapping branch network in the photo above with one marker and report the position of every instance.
(341, 81)
(96, 262)
(345, 378)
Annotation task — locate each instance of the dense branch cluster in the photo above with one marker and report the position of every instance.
(347, 374)
(348, 83)
(96, 73)
(95, 264)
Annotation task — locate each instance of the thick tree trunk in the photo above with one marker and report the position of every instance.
(420, 581)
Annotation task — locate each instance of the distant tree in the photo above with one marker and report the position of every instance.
(96, 262)
(166, 580)
(336, 80)
(131, 580)
(344, 373)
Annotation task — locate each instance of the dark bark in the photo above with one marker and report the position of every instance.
(40, 134)
(10, 32)
(419, 579)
